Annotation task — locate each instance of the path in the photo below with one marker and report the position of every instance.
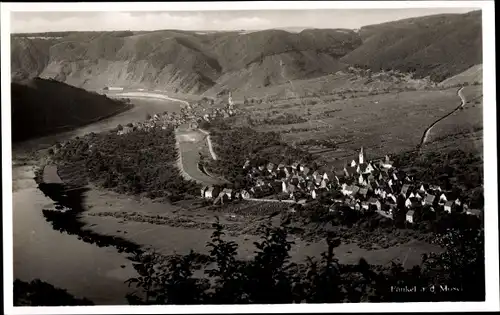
(209, 142)
(427, 131)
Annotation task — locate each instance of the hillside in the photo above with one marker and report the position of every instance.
(472, 75)
(41, 107)
(193, 62)
(438, 46)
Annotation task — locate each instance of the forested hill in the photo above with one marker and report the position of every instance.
(41, 107)
(439, 46)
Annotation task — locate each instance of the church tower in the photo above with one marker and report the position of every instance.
(361, 157)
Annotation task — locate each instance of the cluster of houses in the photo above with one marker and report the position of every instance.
(192, 114)
(361, 186)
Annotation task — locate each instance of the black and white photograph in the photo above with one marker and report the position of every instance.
(249, 157)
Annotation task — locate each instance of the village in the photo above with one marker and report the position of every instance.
(374, 185)
(191, 114)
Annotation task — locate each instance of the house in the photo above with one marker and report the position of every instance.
(313, 194)
(212, 192)
(408, 203)
(261, 167)
(351, 203)
(245, 194)
(458, 202)
(365, 205)
(375, 202)
(405, 189)
(350, 190)
(354, 190)
(291, 189)
(357, 206)
(442, 199)
(284, 187)
(353, 164)
(362, 180)
(365, 168)
(270, 167)
(324, 183)
(448, 206)
(295, 165)
(310, 186)
(387, 163)
(203, 190)
(391, 198)
(410, 216)
(125, 130)
(422, 189)
(281, 166)
(315, 175)
(435, 187)
(306, 171)
(428, 200)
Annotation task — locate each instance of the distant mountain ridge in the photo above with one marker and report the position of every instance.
(197, 62)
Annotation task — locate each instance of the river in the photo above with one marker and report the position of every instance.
(39, 251)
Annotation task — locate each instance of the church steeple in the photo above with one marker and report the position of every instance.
(361, 157)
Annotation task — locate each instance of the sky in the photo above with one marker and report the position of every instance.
(28, 22)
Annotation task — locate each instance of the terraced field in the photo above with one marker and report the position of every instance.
(384, 123)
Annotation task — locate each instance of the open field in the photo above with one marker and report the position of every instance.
(384, 123)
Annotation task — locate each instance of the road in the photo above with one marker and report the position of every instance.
(427, 131)
(189, 142)
(209, 142)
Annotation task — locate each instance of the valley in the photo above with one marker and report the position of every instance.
(150, 142)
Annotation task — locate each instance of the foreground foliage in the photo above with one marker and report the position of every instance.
(270, 277)
(40, 293)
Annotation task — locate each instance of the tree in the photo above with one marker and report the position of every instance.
(119, 127)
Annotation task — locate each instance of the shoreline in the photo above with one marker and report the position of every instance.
(63, 129)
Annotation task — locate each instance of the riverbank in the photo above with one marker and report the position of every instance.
(85, 264)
